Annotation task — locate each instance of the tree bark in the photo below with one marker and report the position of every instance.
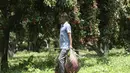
(4, 40)
(1, 46)
(4, 61)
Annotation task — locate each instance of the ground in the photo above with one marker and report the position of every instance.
(44, 62)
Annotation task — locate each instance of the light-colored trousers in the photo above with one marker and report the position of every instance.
(61, 60)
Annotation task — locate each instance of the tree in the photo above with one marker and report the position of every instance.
(124, 24)
(108, 9)
(16, 10)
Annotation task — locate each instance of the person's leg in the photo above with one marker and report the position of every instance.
(61, 59)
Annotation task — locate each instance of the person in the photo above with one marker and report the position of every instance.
(65, 40)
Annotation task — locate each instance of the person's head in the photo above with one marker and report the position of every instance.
(63, 17)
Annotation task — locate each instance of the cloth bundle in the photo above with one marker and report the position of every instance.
(72, 63)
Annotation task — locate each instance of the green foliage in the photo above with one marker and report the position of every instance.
(62, 3)
(50, 3)
(89, 14)
(70, 3)
(66, 3)
(124, 24)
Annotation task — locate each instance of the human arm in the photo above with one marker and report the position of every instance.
(70, 39)
(69, 35)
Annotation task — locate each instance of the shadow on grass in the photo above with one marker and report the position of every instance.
(103, 60)
(88, 55)
(116, 54)
(33, 63)
(27, 57)
(97, 60)
(84, 64)
(47, 63)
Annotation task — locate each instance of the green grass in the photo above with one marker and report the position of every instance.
(44, 62)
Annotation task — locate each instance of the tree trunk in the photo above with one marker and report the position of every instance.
(4, 61)
(103, 27)
(1, 46)
(4, 41)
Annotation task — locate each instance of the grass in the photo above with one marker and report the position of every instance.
(44, 62)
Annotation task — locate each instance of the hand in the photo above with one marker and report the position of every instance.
(71, 47)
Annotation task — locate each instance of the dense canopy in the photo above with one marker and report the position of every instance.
(98, 25)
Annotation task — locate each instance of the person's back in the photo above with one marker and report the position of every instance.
(64, 38)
